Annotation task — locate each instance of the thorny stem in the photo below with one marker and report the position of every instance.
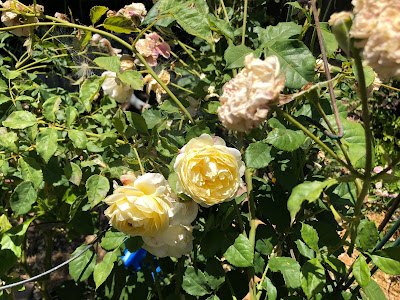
(244, 22)
(252, 223)
(314, 138)
(328, 76)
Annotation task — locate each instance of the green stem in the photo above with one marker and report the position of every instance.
(156, 278)
(244, 22)
(252, 223)
(181, 88)
(314, 138)
(179, 274)
(239, 217)
(224, 9)
(187, 51)
(39, 61)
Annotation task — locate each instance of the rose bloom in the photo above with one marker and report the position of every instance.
(151, 47)
(208, 171)
(142, 207)
(376, 27)
(112, 86)
(247, 98)
(175, 241)
(135, 11)
(10, 18)
(153, 85)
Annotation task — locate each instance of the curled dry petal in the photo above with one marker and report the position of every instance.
(153, 85)
(247, 98)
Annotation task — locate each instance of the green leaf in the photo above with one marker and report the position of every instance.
(336, 264)
(367, 235)
(4, 223)
(234, 56)
(8, 139)
(78, 138)
(8, 259)
(46, 143)
(388, 260)
(194, 282)
(304, 249)
(30, 171)
(289, 268)
(111, 63)
(221, 26)
(118, 24)
(258, 155)
(103, 269)
(155, 11)
(286, 139)
(294, 58)
(193, 22)
(306, 191)
(152, 117)
(266, 239)
(20, 120)
(13, 238)
(9, 74)
(310, 236)
(112, 240)
(134, 243)
(330, 41)
(138, 121)
(214, 273)
(50, 106)
(282, 31)
(23, 197)
(373, 291)
(96, 12)
(361, 271)
(312, 277)
(82, 267)
(70, 115)
(89, 90)
(369, 75)
(73, 173)
(267, 285)
(132, 78)
(241, 253)
(97, 188)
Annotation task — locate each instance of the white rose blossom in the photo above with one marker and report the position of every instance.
(247, 98)
(116, 89)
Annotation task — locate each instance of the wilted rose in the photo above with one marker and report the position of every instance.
(208, 171)
(142, 207)
(153, 85)
(15, 18)
(247, 98)
(151, 47)
(135, 11)
(116, 89)
(376, 27)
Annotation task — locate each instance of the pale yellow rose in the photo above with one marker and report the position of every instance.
(247, 98)
(142, 207)
(175, 241)
(208, 171)
(115, 88)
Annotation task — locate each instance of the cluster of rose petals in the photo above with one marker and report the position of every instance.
(116, 89)
(14, 18)
(247, 98)
(146, 206)
(153, 85)
(151, 48)
(208, 171)
(134, 11)
(377, 27)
